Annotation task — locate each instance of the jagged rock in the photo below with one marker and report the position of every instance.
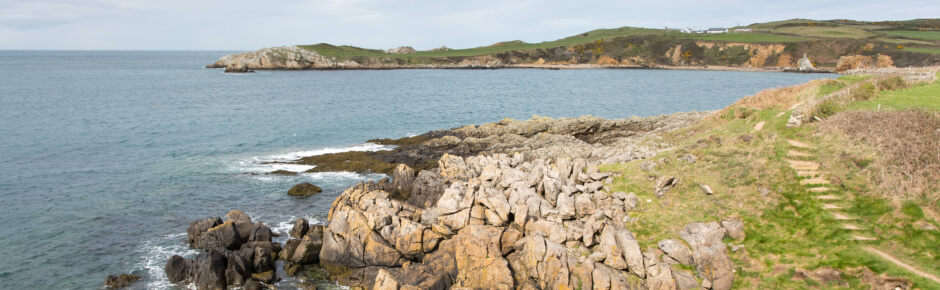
(676, 250)
(209, 270)
(235, 250)
(664, 185)
(735, 228)
(197, 229)
(225, 235)
(178, 269)
(120, 281)
(260, 233)
(300, 228)
(304, 190)
(709, 253)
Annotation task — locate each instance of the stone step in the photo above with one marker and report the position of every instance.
(842, 217)
(759, 126)
(799, 144)
(814, 181)
(828, 197)
(803, 165)
(863, 238)
(779, 114)
(807, 173)
(831, 206)
(819, 189)
(851, 227)
(794, 153)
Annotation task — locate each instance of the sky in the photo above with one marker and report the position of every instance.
(422, 24)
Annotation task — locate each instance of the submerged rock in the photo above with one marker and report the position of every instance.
(120, 281)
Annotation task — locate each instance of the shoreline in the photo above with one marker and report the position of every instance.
(536, 66)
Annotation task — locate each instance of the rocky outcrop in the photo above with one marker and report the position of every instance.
(593, 139)
(283, 58)
(236, 250)
(120, 281)
(304, 190)
(504, 222)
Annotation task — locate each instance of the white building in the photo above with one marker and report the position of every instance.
(717, 30)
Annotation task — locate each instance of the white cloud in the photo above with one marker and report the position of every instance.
(246, 25)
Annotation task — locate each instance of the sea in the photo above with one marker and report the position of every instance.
(106, 156)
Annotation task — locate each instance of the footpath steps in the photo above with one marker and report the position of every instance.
(812, 176)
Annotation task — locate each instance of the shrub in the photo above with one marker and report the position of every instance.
(864, 92)
(911, 209)
(827, 108)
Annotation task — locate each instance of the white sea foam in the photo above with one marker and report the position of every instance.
(155, 253)
(284, 227)
(270, 163)
(341, 176)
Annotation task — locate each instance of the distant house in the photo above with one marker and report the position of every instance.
(742, 30)
(683, 30)
(717, 30)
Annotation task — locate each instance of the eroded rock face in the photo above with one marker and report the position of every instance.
(496, 222)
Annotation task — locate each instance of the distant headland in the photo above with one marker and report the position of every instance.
(829, 45)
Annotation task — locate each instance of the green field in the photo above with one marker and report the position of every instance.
(924, 50)
(826, 32)
(925, 96)
(927, 35)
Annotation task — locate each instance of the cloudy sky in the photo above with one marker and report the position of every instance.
(423, 24)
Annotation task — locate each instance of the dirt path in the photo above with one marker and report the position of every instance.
(902, 264)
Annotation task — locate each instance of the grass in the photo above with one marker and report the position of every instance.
(922, 96)
(926, 35)
(746, 37)
(826, 32)
(786, 226)
(923, 50)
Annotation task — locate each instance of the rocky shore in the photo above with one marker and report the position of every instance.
(540, 217)
(594, 139)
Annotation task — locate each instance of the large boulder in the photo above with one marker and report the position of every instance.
(304, 190)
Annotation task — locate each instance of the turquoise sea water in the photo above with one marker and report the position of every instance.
(105, 157)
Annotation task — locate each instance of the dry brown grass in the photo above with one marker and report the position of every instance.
(779, 98)
(908, 144)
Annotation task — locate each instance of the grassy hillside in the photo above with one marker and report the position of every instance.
(909, 43)
(789, 232)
